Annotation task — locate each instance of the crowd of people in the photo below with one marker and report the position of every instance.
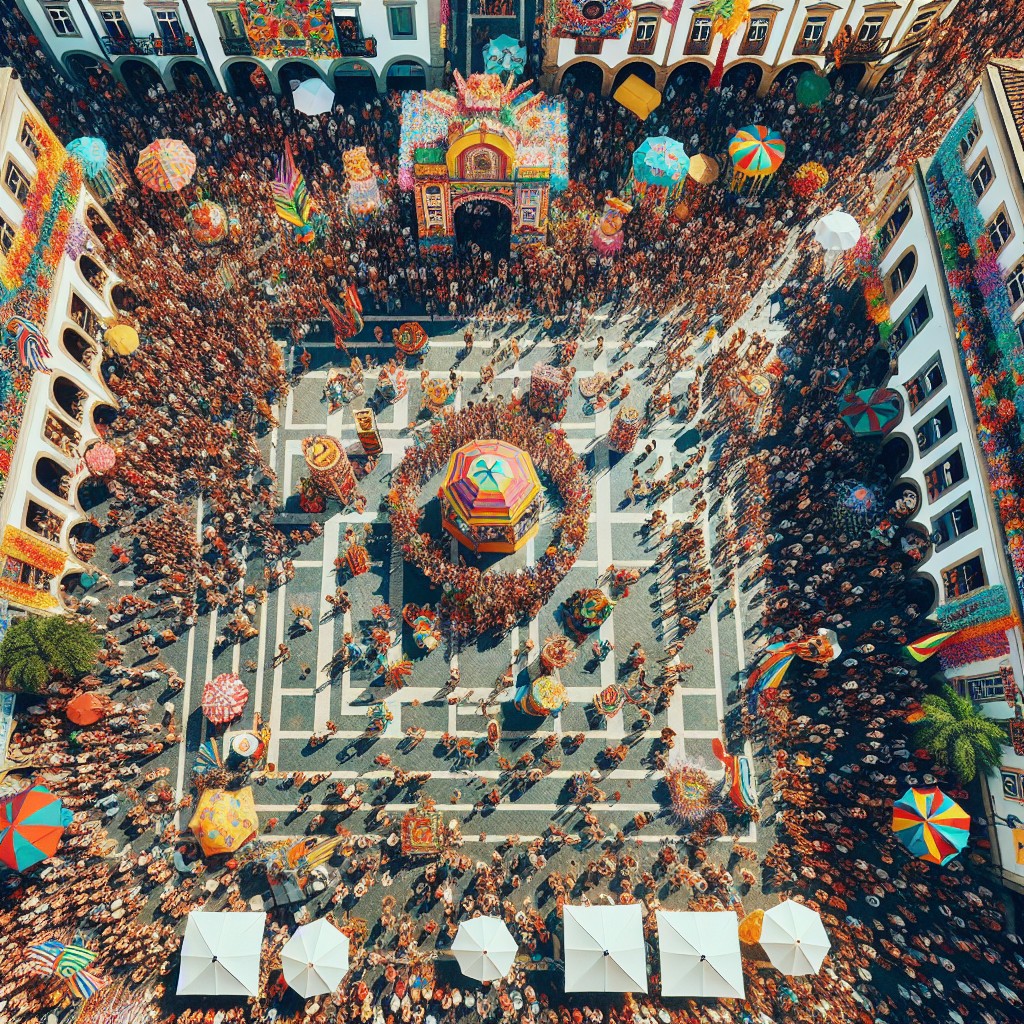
(197, 398)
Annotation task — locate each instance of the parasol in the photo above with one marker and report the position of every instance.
(837, 231)
(490, 483)
(930, 824)
(661, 162)
(224, 821)
(31, 824)
(604, 949)
(224, 697)
(757, 151)
(166, 165)
(700, 954)
(812, 89)
(100, 459)
(69, 962)
(121, 339)
(504, 55)
(484, 949)
(794, 938)
(313, 97)
(315, 959)
(86, 708)
(872, 411)
(220, 954)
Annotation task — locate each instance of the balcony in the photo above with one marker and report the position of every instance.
(365, 46)
(154, 46)
(808, 47)
(867, 50)
(753, 47)
(642, 47)
(700, 47)
(236, 47)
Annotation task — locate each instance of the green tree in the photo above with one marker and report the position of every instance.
(958, 735)
(37, 648)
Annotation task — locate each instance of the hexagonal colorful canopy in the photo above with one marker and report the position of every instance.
(930, 824)
(490, 483)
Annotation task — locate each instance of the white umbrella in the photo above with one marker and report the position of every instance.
(484, 948)
(315, 959)
(220, 954)
(837, 231)
(700, 954)
(604, 949)
(313, 97)
(794, 938)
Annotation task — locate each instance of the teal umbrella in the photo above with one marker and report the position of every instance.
(871, 411)
(812, 89)
(91, 153)
(503, 55)
(660, 161)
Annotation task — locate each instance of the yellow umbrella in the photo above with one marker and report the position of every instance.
(703, 169)
(122, 339)
(224, 821)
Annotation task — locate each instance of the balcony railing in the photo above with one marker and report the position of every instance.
(236, 47)
(867, 49)
(808, 47)
(643, 47)
(698, 46)
(753, 47)
(127, 46)
(361, 46)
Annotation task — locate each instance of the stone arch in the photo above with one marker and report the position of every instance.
(688, 76)
(400, 81)
(78, 345)
(643, 69)
(788, 72)
(354, 79)
(922, 589)
(896, 455)
(473, 197)
(103, 415)
(848, 77)
(69, 397)
(93, 272)
(585, 74)
(180, 72)
(137, 73)
(737, 74)
(80, 65)
(296, 68)
(237, 72)
(54, 478)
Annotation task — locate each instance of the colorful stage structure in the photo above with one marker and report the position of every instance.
(550, 387)
(367, 432)
(330, 469)
(491, 496)
(488, 141)
(625, 430)
(543, 697)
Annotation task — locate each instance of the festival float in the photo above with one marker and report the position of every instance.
(658, 172)
(367, 432)
(543, 697)
(549, 391)
(330, 469)
(292, 200)
(422, 831)
(489, 141)
(608, 236)
(491, 497)
(363, 193)
(586, 611)
(690, 790)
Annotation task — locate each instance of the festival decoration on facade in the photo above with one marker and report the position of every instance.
(491, 496)
(485, 142)
(591, 19)
(28, 564)
(291, 28)
(608, 236)
(586, 611)
(980, 620)
(543, 697)
(292, 199)
(331, 470)
(756, 153)
(549, 391)
(818, 648)
(223, 821)
(930, 825)
(923, 649)
(363, 193)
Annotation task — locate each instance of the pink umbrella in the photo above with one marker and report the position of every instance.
(101, 459)
(224, 698)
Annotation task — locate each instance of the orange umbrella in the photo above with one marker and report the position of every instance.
(87, 708)
(166, 165)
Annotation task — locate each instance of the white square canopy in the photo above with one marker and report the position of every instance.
(700, 954)
(604, 949)
(220, 954)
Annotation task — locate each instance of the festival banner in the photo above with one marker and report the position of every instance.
(290, 28)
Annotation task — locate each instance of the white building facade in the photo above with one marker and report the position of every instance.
(662, 41)
(50, 416)
(358, 46)
(956, 289)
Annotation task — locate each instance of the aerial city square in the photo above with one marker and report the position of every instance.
(511, 512)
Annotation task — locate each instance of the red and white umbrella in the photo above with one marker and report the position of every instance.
(224, 698)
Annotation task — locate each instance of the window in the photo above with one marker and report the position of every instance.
(953, 523)
(644, 32)
(814, 29)
(933, 430)
(6, 236)
(16, 181)
(870, 28)
(981, 689)
(963, 578)
(115, 24)
(1020, 331)
(1015, 284)
(61, 20)
(947, 474)
(921, 22)
(970, 137)
(401, 22)
(981, 177)
(701, 31)
(758, 31)
(925, 384)
(169, 25)
(230, 22)
(999, 230)
(910, 324)
(902, 272)
(891, 228)
(27, 138)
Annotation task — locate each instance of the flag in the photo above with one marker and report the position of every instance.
(343, 322)
(354, 307)
(923, 649)
(291, 198)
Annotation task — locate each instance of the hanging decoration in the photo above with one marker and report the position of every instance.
(591, 19)
(291, 28)
(726, 18)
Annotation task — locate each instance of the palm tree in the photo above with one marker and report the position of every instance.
(37, 648)
(958, 735)
(726, 18)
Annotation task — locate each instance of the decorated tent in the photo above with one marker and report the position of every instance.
(756, 153)
(224, 821)
(491, 496)
(872, 412)
(638, 97)
(31, 825)
(930, 824)
(837, 231)
(166, 165)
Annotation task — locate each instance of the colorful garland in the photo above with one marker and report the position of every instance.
(973, 609)
(862, 260)
(989, 345)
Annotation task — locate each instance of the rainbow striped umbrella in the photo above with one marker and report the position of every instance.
(757, 151)
(930, 824)
(872, 411)
(490, 483)
(31, 825)
(166, 165)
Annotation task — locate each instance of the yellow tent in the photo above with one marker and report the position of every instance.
(637, 96)
(224, 821)
(122, 339)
